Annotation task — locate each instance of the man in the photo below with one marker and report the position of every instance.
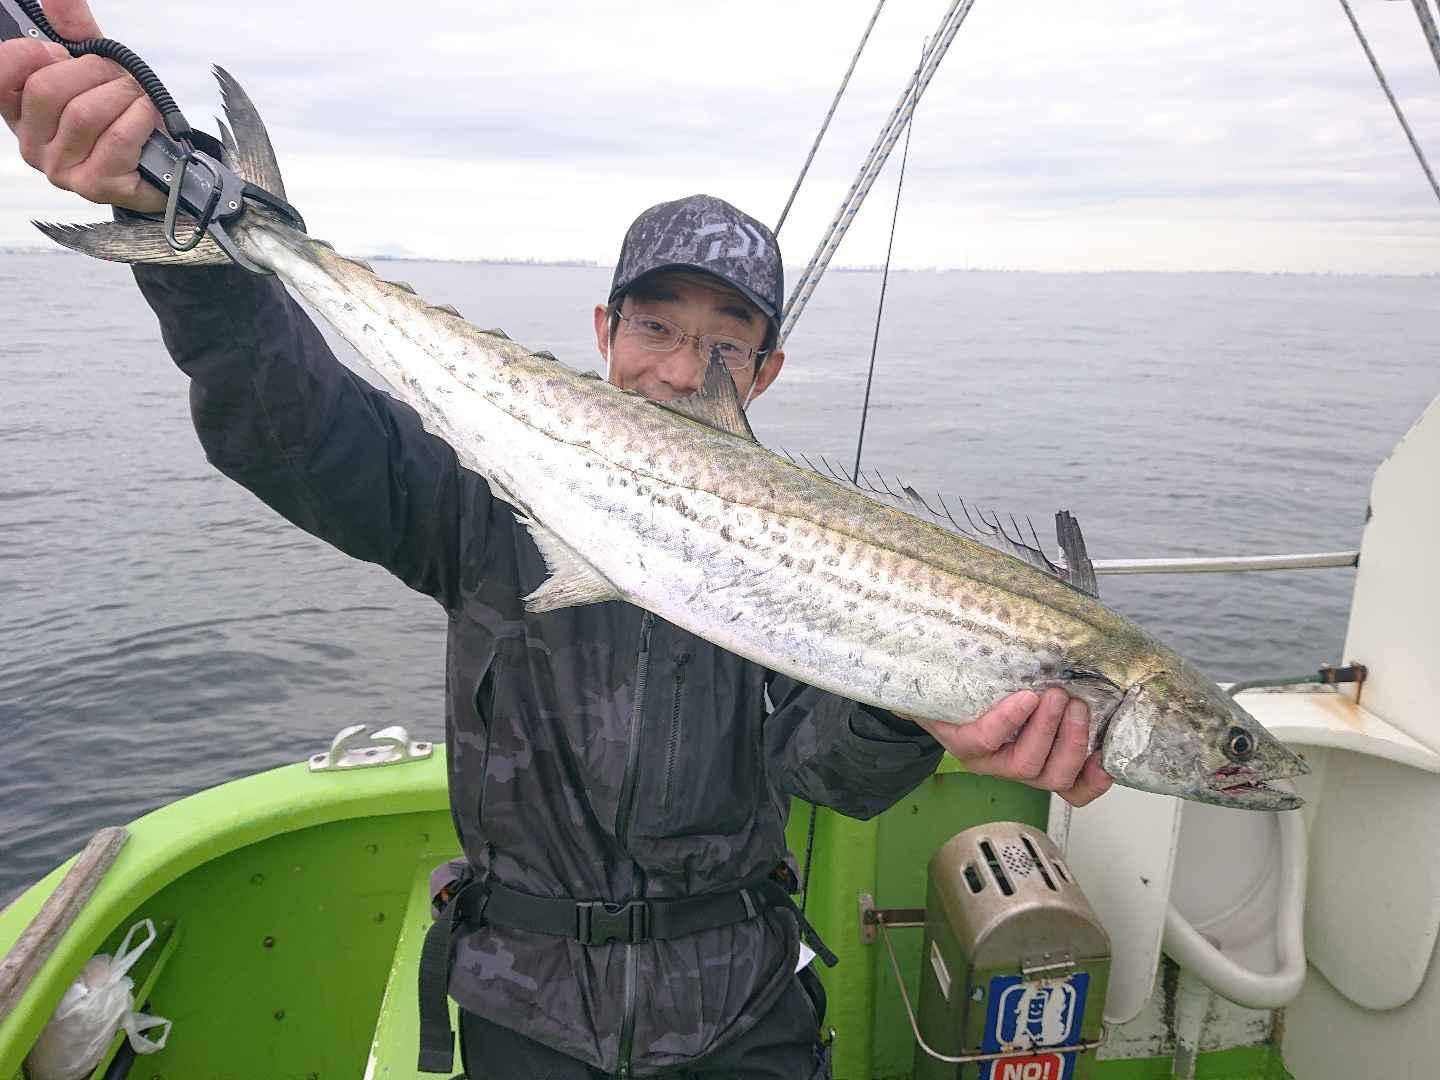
(618, 784)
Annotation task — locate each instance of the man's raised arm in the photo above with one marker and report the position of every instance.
(273, 408)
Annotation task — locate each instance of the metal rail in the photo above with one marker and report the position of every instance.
(1084, 1046)
(1227, 564)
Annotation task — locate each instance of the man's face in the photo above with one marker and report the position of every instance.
(699, 305)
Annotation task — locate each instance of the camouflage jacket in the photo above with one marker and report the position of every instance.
(596, 753)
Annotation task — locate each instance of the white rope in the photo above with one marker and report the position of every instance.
(1427, 27)
(1375, 64)
(825, 125)
(880, 307)
(874, 162)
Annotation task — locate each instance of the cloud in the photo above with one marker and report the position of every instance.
(1162, 135)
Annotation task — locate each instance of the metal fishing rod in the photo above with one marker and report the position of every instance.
(874, 163)
(825, 124)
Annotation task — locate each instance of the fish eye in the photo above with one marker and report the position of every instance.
(1239, 745)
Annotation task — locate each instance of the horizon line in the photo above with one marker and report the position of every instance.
(870, 268)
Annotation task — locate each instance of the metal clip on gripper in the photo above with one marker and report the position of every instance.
(205, 214)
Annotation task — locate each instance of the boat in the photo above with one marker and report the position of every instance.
(290, 906)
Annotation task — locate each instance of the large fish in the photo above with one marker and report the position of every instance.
(675, 508)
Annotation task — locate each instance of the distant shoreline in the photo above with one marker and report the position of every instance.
(792, 272)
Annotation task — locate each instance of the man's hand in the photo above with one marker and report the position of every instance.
(1049, 753)
(83, 121)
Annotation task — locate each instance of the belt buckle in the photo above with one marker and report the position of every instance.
(599, 923)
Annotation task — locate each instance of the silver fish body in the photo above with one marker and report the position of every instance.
(630, 499)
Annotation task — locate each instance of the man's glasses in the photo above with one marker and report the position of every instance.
(661, 335)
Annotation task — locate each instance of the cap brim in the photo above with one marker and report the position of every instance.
(766, 308)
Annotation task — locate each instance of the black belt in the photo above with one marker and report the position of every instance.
(597, 922)
(590, 922)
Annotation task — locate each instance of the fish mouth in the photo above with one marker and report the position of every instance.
(1236, 785)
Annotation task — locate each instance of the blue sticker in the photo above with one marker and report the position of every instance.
(1031, 1016)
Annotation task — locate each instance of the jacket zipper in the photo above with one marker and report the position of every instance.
(676, 714)
(622, 834)
(627, 1024)
(487, 719)
(637, 724)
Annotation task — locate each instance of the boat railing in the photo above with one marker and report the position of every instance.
(1227, 564)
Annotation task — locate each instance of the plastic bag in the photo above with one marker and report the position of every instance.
(100, 1002)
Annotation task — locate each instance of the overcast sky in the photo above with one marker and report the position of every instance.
(1108, 134)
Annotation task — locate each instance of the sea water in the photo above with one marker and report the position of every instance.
(162, 631)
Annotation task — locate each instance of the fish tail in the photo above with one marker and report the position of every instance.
(246, 151)
(137, 240)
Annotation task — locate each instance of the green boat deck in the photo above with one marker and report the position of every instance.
(292, 907)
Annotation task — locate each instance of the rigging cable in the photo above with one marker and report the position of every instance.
(1375, 64)
(1427, 27)
(859, 443)
(880, 308)
(879, 154)
(825, 124)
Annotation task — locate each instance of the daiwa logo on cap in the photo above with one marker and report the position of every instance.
(735, 252)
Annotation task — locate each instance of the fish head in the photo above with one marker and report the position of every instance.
(1177, 733)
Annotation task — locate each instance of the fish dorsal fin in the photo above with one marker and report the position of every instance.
(716, 404)
(247, 151)
(1079, 569)
(572, 581)
(988, 529)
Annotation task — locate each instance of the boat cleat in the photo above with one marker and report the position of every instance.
(388, 746)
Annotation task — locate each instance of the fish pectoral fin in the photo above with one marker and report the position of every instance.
(572, 581)
(1092, 679)
(136, 240)
(716, 404)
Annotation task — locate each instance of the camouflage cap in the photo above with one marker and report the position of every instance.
(701, 232)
